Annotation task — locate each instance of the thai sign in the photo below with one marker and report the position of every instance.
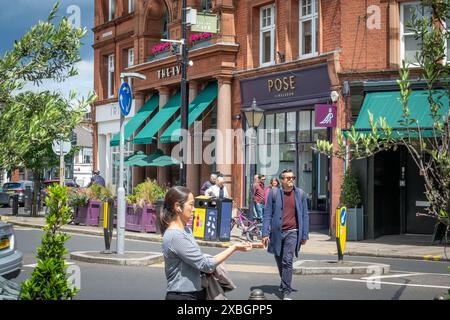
(205, 23)
(325, 115)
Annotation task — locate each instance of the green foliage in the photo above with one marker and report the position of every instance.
(148, 192)
(98, 192)
(78, 198)
(350, 195)
(49, 280)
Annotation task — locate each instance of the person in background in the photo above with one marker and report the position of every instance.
(219, 190)
(96, 178)
(273, 184)
(286, 220)
(208, 184)
(258, 197)
(183, 258)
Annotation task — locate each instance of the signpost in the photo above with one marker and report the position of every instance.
(125, 101)
(61, 148)
(341, 231)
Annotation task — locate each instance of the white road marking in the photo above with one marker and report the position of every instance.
(394, 283)
(35, 264)
(404, 275)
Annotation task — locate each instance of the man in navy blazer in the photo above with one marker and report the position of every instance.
(285, 227)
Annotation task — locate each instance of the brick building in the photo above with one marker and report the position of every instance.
(288, 56)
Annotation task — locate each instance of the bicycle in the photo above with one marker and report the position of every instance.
(251, 228)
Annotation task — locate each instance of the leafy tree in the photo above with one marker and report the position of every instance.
(30, 121)
(350, 192)
(429, 150)
(49, 280)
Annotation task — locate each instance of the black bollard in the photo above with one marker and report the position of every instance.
(257, 294)
(15, 204)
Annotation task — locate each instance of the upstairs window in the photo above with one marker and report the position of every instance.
(206, 5)
(112, 10)
(130, 6)
(309, 28)
(111, 76)
(131, 57)
(267, 35)
(410, 46)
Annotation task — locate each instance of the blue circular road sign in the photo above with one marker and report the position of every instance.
(125, 99)
(343, 216)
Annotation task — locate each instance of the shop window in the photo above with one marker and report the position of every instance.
(309, 28)
(267, 35)
(410, 46)
(291, 126)
(304, 130)
(111, 76)
(115, 156)
(280, 122)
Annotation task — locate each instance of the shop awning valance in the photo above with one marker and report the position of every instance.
(138, 119)
(196, 108)
(145, 136)
(388, 105)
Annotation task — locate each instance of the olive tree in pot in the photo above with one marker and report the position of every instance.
(351, 198)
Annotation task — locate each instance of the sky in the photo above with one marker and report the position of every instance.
(19, 16)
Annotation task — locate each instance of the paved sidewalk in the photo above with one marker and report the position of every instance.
(397, 246)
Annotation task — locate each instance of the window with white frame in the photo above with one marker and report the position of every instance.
(87, 155)
(267, 35)
(130, 57)
(130, 6)
(309, 28)
(112, 10)
(111, 76)
(410, 46)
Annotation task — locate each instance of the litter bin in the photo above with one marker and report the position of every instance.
(198, 224)
(224, 208)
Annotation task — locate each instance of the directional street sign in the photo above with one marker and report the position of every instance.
(125, 99)
(66, 146)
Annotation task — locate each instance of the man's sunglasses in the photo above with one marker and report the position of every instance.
(289, 178)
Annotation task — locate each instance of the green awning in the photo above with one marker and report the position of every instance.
(139, 118)
(388, 105)
(145, 136)
(196, 108)
(133, 160)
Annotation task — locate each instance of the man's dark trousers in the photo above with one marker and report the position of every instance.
(285, 261)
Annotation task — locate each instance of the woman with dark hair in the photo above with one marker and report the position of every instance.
(183, 258)
(274, 183)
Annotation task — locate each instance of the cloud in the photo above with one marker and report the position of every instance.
(82, 84)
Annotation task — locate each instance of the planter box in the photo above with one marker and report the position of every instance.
(133, 218)
(80, 215)
(355, 224)
(149, 219)
(93, 212)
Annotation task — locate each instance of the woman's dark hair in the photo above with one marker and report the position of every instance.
(274, 179)
(168, 214)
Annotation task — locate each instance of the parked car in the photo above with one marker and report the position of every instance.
(4, 198)
(48, 183)
(11, 188)
(11, 259)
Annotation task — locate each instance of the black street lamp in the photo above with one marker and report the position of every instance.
(184, 96)
(253, 116)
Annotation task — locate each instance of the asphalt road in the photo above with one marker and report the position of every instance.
(409, 279)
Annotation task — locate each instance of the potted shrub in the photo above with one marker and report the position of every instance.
(97, 195)
(351, 198)
(197, 38)
(141, 213)
(78, 201)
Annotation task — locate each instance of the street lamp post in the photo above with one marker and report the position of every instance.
(121, 188)
(253, 116)
(184, 96)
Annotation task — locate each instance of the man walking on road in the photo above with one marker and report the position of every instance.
(258, 197)
(286, 220)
